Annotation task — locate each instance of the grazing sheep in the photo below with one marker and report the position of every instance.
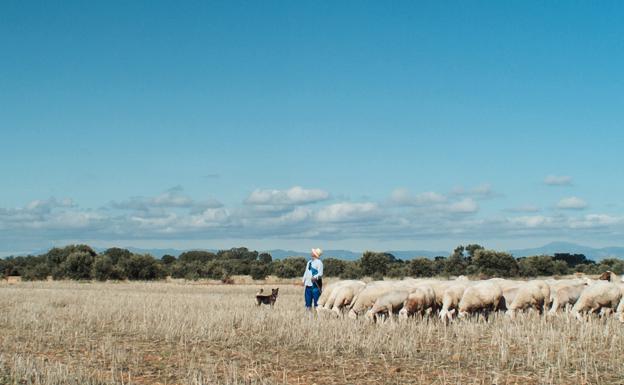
(450, 300)
(620, 309)
(327, 292)
(388, 303)
(439, 287)
(565, 293)
(483, 298)
(509, 288)
(609, 276)
(332, 291)
(345, 295)
(367, 297)
(532, 294)
(419, 300)
(599, 296)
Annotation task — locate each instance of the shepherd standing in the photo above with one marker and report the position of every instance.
(313, 278)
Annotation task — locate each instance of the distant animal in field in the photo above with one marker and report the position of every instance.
(601, 296)
(609, 276)
(267, 299)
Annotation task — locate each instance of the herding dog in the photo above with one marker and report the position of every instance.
(267, 299)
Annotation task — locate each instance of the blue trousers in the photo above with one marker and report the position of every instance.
(312, 293)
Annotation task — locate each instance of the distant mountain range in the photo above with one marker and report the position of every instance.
(596, 254)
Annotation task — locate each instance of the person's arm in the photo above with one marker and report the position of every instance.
(319, 267)
(304, 273)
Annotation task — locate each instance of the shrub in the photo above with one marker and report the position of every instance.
(168, 259)
(421, 267)
(495, 264)
(373, 263)
(38, 272)
(398, 270)
(141, 267)
(77, 265)
(541, 265)
(290, 267)
(258, 270)
(352, 270)
(103, 268)
(333, 267)
(197, 256)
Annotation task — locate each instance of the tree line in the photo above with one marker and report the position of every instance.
(81, 262)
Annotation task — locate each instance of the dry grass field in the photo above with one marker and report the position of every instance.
(174, 333)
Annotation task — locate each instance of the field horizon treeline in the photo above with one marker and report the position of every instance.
(82, 262)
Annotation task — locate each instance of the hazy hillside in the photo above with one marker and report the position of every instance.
(596, 254)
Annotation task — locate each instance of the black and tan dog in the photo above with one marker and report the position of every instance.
(267, 299)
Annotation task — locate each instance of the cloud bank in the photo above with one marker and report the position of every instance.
(300, 213)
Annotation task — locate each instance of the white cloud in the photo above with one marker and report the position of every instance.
(483, 191)
(172, 198)
(466, 205)
(403, 197)
(526, 209)
(531, 221)
(293, 196)
(48, 204)
(571, 203)
(174, 216)
(347, 211)
(595, 220)
(558, 180)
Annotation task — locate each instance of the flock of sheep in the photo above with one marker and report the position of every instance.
(462, 297)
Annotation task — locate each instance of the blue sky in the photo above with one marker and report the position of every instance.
(288, 125)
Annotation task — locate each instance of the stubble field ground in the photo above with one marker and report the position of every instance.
(182, 333)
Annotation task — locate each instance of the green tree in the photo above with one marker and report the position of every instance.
(168, 259)
(611, 264)
(141, 267)
(541, 265)
(375, 264)
(265, 258)
(422, 267)
(241, 253)
(456, 263)
(77, 265)
(572, 259)
(398, 270)
(116, 254)
(258, 270)
(494, 263)
(103, 268)
(352, 270)
(197, 255)
(37, 272)
(472, 249)
(290, 267)
(333, 267)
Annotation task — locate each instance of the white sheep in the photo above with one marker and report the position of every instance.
(532, 294)
(483, 298)
(602, 296)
